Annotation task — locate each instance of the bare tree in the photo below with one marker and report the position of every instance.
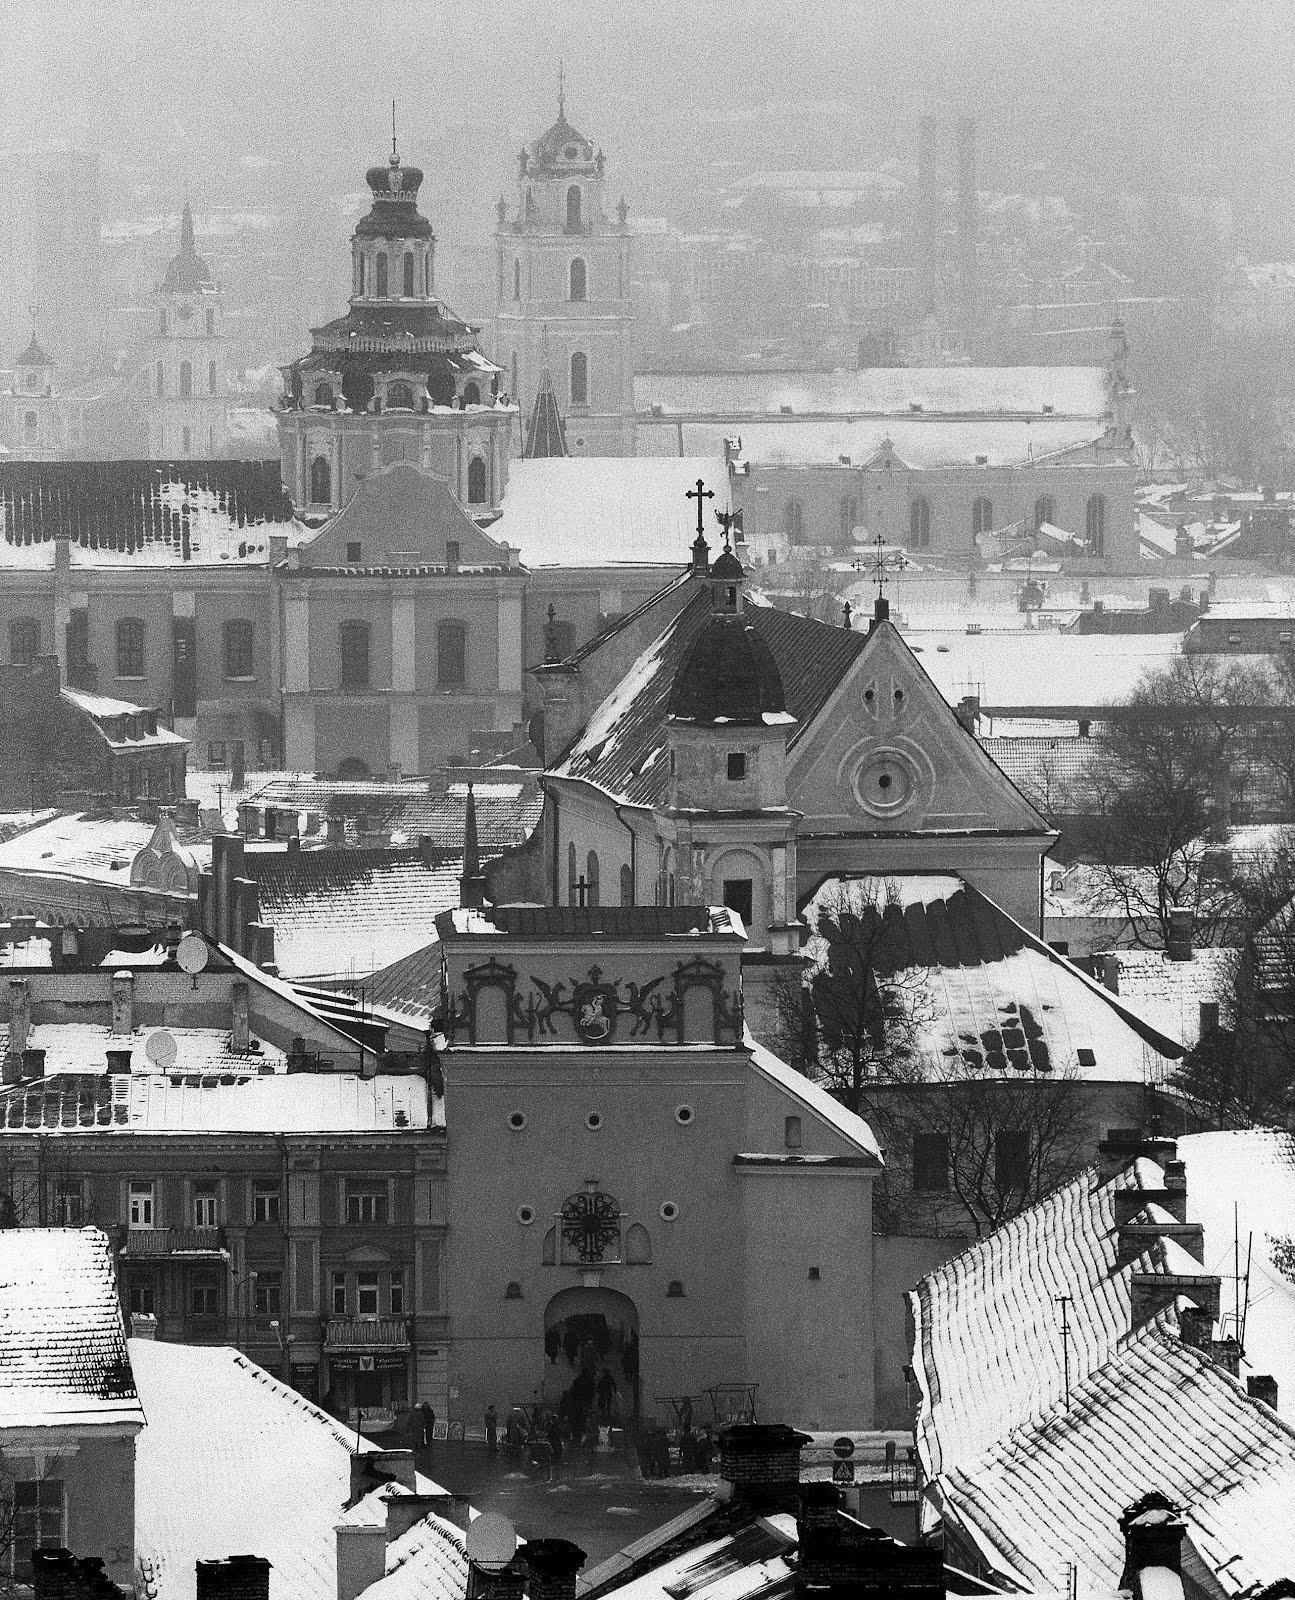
(810, 585)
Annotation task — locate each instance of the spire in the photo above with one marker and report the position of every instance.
(186, 231)
(472, 881)
(546, 434)
(395, 159)
(562, 91)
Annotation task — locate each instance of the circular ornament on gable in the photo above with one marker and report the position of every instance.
(886, 782)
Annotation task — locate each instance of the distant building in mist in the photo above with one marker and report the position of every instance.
(188, 410)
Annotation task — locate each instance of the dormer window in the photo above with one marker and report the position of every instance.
(736, 765)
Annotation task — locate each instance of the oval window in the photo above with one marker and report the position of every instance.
(517, 1120)
(683, 1114)
(669, 1211)
(594, 1121)
(526, 1215)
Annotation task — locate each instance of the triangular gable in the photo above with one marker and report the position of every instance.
(401, 516)
(887, 755)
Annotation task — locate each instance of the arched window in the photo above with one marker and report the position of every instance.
(573, 886)
(1044, 511)
(321, 481)
(982, 515)
(355, 655)
(186, 442)
(579, 379)
(451, 655)
(919, 524)
(517, 280)
(591, 879)
(471, 394)
(407, 285)
(324, 395)
(162, 320)
(638, 1245)
(186, 380)
(1095, 524)
(575, 204)
(579, 279)
(238, 648)
(793, 522)
(211, 322)
(161, 380)
(359, 282)
(381, 287)
(849, 517)
(24, 640)
(627, 885)
(30, 424)
(440, 385)
(400, 397)
(476, 482)
(211, 377)
(130, 647)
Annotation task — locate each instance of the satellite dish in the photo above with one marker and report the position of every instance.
(160, 1049)
(492, 1540)
(191, 953)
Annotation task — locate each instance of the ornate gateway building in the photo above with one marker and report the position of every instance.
(397, 378)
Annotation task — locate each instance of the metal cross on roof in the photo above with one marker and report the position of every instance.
(881, 564)
(700, 494)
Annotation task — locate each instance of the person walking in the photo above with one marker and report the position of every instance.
(492, 1429)
(606, 1389)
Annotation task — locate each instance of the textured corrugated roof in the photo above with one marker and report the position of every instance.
(508, 807)
(209, 513)
(62, 1343)
(623, 745)
(1169, 994)
(579, 922)
(1156, 1415)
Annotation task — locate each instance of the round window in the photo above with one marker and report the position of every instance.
(526, 1215)
(669, 1210)
(517, 1120)
(684, 1114)
(886, 782)
(594, 1121)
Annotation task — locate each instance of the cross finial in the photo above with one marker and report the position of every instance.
(700, 494)
(882, 564)
(394, 157)
(562, 90)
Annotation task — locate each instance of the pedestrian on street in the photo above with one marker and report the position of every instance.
(492, 1429)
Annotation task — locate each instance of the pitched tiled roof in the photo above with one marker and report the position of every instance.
(340, 913)
(579, 922)
(1156, 1415)
(623, 745)
(508, 807)
(411, 986)
(208, 513)
(1169, 994)
(62, 1344)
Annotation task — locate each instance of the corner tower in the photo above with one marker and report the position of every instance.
(188, 406)
(563, 269)
(397, 378)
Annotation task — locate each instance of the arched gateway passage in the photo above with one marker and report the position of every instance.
(591, 1358)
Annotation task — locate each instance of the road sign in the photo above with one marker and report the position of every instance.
(843, 1472)
(843, 1449)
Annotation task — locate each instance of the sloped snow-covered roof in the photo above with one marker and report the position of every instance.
(816, 1099)
(1156, 1415)
(94, 850)
(1169, 994)
(232, 1460)
(63, 1359)
(427, 1562)
(596, 511)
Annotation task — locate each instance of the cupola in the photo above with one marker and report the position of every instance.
(727, 676)
(187, 272)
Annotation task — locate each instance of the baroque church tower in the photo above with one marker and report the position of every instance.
(563, 281)
(398, 377)
(188, 406)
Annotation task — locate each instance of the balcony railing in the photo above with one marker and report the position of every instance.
(154, 1243)
(366, 1333)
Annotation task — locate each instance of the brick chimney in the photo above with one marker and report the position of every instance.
(335, 831)
(1122, 1146)
(1111, 973)
(19, 1028)
(240, 1028)
(760, 1461)
(33, 1063)
(123, 1004)
(58, 1575)
(118, 1063)
(1181, 921)
(839, 1555)
(370, 1469)
(496, 1583)
(1153, 1532)
(968, 712)
(236, 1578)
(1151, 1292)
(404, 1510)
(1262, 1386)
(551, 1566)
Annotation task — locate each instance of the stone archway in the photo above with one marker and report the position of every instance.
(591, 1358)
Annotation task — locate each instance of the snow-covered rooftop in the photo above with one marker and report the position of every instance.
(1169, 994)
(62, 1342)
(95, 850)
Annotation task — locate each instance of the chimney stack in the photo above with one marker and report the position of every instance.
(551, 1566)
(1153, 1532)
(1181, 919)
(1262, 1386)
(496, 1583)
(760, 1461)
(19, 1028)
(236, 1578)
(968, 712)
(240, 1030)
(118, 1063)
(123, 1004)
(58, 1575)
(370, 1469)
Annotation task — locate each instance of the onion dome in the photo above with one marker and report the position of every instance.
(395, 211)
(187, 273)
(729, 675)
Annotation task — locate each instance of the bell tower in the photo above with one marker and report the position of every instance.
(188, 404)
(563, 279)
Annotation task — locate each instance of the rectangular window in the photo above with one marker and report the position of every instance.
(353, 553)
(791, 1133)
(451, 552)
(366, 1203)
(205, 1205)
(141, 1297)
(69, 1206)
(130, 648)
(216, 753)
(238, 648)
(366, 1294)
(204, 1296)
(355, 655)
(37, 1522)
(140, 1214)
(451, 655)
(738, 896)
(397, 1294)
(736, 765)
(930, 1162)
(339, 1294)
(1012, 1159)
(265, 1202)
(269, 1294)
